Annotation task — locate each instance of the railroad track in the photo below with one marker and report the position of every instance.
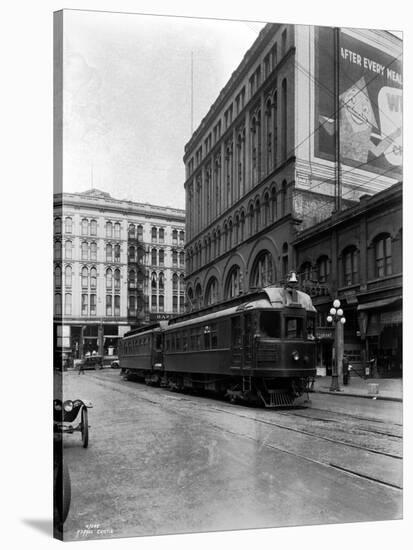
(162, 398)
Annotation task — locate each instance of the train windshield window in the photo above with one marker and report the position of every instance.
(293, 327)
(270, 324)
(158, 341)
(310, 328)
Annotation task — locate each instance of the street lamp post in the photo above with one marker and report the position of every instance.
(336, 316)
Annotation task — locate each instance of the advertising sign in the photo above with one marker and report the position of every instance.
(370, 99)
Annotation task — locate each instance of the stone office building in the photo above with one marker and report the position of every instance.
(117, 264)
(261, 166)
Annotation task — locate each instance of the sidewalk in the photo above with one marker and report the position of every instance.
(379, 388)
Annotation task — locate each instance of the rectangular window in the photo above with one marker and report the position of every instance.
(154, 304)
(93, 304)
(174, 304)
(270, 324)
(84, 304)
(108, 305)
(293, 327)
(68, 304)
(161, 303)
(117, 306)
(214, 336)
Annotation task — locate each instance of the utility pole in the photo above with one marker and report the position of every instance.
(338, 186)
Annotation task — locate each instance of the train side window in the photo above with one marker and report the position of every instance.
(293, 327)
(310, 328)
(192, 337)
(198, 339)
(178, 342)
(184, 342)
(236, 331)
(214, 336)
(270, 324)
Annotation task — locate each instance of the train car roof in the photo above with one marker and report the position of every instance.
(148, 328)
(272, 298)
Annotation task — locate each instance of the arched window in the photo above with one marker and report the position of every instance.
(323, 269)
(58, 250)
(68, 225)
(108, 252)
(383, 255)
(161, 257)
(131, 231)
(284, 117)
(263, 272)
(232, 284)
(198, 295)
(109, 230)
(154, 282)
(58, 304)
(117, 279)
(58, 277)
(350, 266)
(85, 251)
(174, 258)
(117, 230)
(93, 228)
(68, 304)
(181, 237)
(68, 276)
(85, 277)
(190, 298)
(230, 235)
(161, 234)
(242, 225)
(268, 134)
(266, 209)
(257, 215)
(154, 256)
(251, 217)
(181, 283)
(132, 278)
(132, 253)
(117, 253)
(284, 198)
(154, 234)
(273, 204)
(57, 226)
(85, 226)
(140, 280)
(174, 236)
(93, 251)
(109, 278)
(182, 256)
(175, 282)
(218, 242)
(93, 278)
(275, 133)
(68, 250)
(236, 230)
(161, 281)
(211, 292)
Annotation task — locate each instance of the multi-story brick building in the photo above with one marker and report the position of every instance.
(117, 264)
(356, 256)
(262, 165)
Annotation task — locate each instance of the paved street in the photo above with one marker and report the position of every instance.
(162, 462)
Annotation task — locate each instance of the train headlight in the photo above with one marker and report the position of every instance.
(295, 355)
(68, 406)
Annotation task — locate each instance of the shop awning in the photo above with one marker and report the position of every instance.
(379, 303)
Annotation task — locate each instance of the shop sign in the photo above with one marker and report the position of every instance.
(160, 316)
(325, 332)
(351, 297)
(315, 289)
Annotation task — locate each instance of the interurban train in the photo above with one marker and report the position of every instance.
(258, 348)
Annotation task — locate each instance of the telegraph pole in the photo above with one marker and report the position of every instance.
(338, 185)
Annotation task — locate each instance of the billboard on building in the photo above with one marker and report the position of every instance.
(370, 99)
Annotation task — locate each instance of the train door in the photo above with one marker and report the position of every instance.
(236, 342)
(247, 339)
(157, 350)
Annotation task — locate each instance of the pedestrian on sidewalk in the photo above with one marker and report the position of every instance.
(81, 366)
(345, 369)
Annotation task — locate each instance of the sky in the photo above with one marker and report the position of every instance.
(127, 97)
